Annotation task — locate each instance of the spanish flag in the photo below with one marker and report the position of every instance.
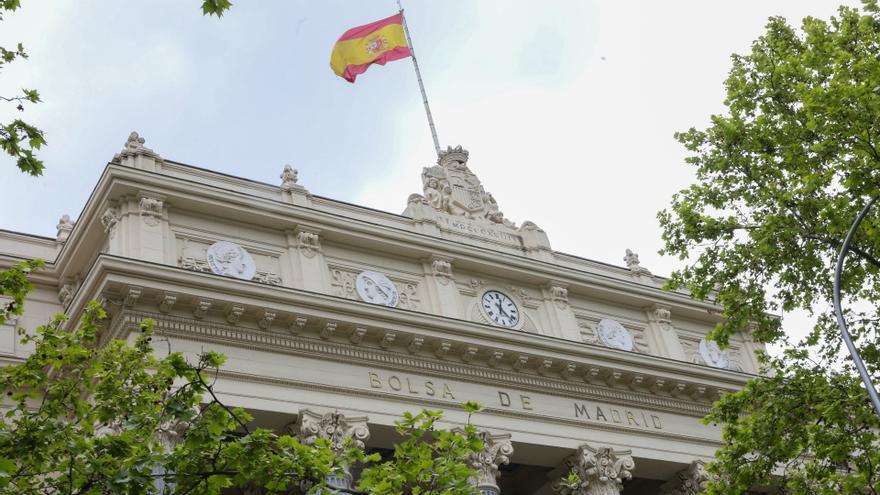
(375, 43)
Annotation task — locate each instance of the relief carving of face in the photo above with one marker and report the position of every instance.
(230, 260)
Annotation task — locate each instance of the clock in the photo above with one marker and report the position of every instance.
(500, 309)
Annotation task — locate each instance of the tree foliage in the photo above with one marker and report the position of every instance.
(780, 177)
(83, 418)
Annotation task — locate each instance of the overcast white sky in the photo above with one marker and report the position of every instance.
(568, 108)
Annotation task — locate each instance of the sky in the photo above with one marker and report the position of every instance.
(568, 108)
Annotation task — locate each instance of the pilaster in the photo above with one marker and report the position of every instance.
(563, 323)
(441, 286)
(307, 262)
(662, 334)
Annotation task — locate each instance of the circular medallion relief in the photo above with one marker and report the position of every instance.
(230, 260)
(713, 355)
(376, 288)
(499, 308)
(612, 334)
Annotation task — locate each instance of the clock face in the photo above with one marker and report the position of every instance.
(500, 309)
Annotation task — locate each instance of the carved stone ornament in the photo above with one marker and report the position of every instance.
(689, 481)
(559, 295)
(134, 146)
(663, 316)
(309, 243)
(339, 431)
(442, 270)
(713, 355)
(150, 210)
(497, 450)
(65, 227)
(632, 262)
(613, 334)
(289, 178)
(66, 293)
(601, 471)
(451, 187)
(376, 288)
(230, 260)
(109, 220)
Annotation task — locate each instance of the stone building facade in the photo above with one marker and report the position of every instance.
(339, 318)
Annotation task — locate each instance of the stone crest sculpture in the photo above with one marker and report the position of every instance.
(230, 260)
(613, 334)
(452, 188)
(65, 227)
(376, 288)
(713, 355)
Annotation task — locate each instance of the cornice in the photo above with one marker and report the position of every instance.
(471, 349)
(210, 332)
(182, 193)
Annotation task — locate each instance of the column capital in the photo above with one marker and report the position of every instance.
(689, 481)
(601, 471)
(497, 450)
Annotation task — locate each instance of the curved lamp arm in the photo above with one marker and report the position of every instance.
(844, 332)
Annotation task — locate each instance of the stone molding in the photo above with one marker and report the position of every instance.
(402, 359)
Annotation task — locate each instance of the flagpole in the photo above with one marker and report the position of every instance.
(421, 84)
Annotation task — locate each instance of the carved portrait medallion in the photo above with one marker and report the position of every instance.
(713, 355)
(612, 334)
(376, 288)
(230, 260)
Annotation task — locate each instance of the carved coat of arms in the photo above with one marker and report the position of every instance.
(451, 187)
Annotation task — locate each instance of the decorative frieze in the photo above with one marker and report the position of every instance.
(591, 382)
(600, 471)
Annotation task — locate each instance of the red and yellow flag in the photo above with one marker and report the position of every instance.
(374, 43)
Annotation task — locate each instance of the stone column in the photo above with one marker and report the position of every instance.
(497, 450)
(338, 430)
(151, 230)
(689, 481)
(601, 471)
(441, 286)
(562, 320)
(662, 333)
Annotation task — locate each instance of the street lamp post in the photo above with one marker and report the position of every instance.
(844, 332)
